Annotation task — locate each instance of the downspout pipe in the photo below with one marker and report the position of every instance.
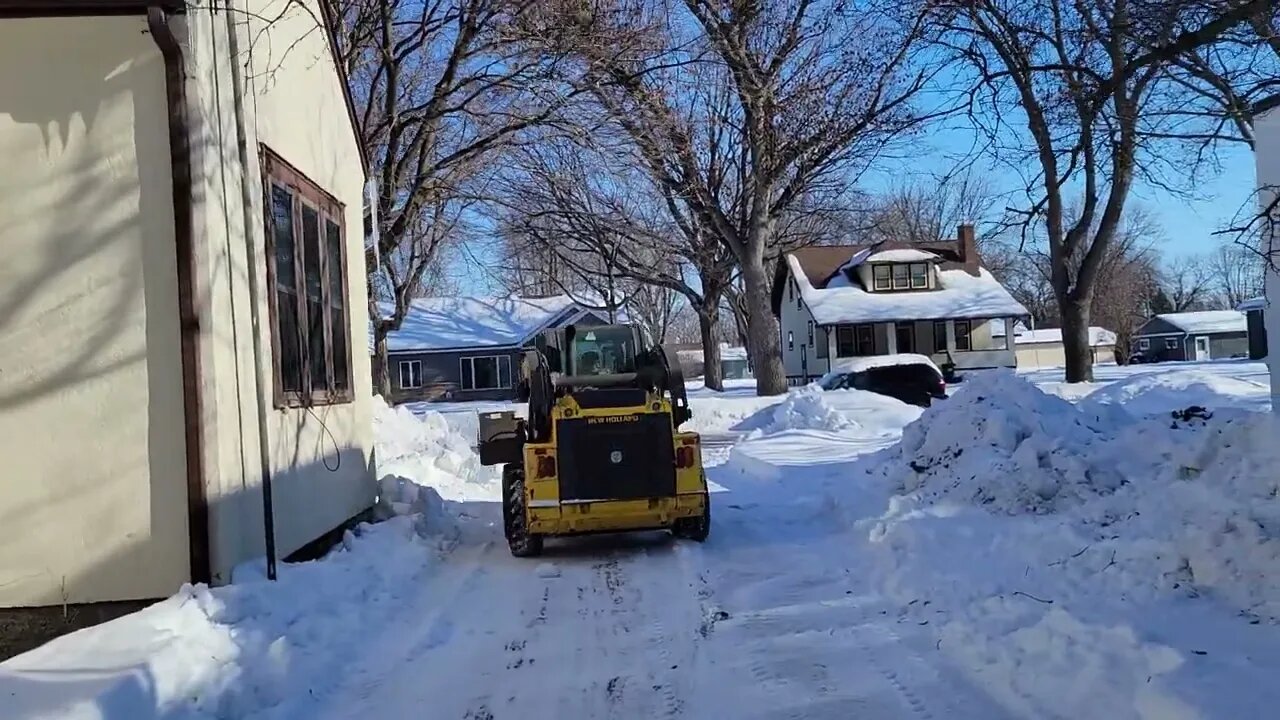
(252, 260)
(175, 75)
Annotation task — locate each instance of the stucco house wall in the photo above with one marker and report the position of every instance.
(1266, 153)
(91, 415)
(106, 494)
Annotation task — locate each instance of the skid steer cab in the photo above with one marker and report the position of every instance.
(601, 448)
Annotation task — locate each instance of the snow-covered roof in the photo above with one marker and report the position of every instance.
(1207, 321)
(859, 364)
(961, 295)
(1098, 336)
(902, 255)
(444, 323)
(732, 353)
(1257, 303)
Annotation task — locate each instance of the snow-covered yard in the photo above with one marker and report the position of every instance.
(1004, 554)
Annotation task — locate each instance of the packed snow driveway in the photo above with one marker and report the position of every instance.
(769, 619)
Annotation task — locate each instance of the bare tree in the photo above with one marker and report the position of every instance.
(441, 88)
(929, 210)
(738, 109)
(1091, 83)
(1186, 283)
(1234, 273)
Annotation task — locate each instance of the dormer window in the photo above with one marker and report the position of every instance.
(881, 273)
(919, 276)
(901, 276)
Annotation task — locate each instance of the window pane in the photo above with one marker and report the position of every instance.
(290, 352)
(504, 371)
(486, 373)
(962, 334)
(939, 336)
(906, 337)
(844, 342)
(866, 340)
(333, 237)
(881, 274)
(340, 350)
(919, 275)
(282, 235)
(900, 279)
(311, 252)
(468, 378)
(319, 358)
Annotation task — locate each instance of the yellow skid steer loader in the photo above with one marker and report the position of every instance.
(601, 449)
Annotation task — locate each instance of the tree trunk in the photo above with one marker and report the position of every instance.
(381, 362)
(709, 328)
(1075, 341)
(762, 329)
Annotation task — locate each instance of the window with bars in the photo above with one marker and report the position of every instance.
(306, 271)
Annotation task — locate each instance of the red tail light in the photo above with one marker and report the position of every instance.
(684, 457)
(546, 466)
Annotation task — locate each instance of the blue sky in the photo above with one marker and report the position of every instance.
(1188, 219)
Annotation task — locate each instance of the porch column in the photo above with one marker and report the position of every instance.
(951, 336)
(1011, 340)
(891, 342)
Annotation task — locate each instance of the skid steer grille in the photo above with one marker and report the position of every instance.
(618, 457)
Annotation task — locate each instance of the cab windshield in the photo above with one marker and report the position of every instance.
(604, 351)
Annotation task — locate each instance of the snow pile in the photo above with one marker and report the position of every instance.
(1002, 443)
(428, 451)
(1160, 393)
(1185, 502)
(233, 651)
(804, 408)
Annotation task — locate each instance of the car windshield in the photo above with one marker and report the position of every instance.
(604, 351)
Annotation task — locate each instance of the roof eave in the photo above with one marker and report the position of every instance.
(69, 8)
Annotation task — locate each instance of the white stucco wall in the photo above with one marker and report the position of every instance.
(321, 459)
(1267, 159)
(93, 490)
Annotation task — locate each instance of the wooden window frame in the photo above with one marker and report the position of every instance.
(791, 341)
(810, 333)
(968, 335)
(1144, 343)
(497, 369)
(400, 374)
(276, 172)
(1170, 343)
(844, 332)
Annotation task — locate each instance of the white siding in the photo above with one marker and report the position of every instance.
(795, 319)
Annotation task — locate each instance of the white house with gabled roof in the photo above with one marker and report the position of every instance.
(1266, 149)
(933, 299)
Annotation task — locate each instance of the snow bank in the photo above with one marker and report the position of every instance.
(427, 450)
(1159, 393)
(1002, 443)
(228, 652)
(804, 408)
(1187, 501)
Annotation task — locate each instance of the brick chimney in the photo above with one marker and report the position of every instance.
(968, 243)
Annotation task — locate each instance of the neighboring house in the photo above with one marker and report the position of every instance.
(1254, 310)
(462, 348)
(934, 299)
(1266, 155)
(161, 199)
(1043, 347)
(1204, 335)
